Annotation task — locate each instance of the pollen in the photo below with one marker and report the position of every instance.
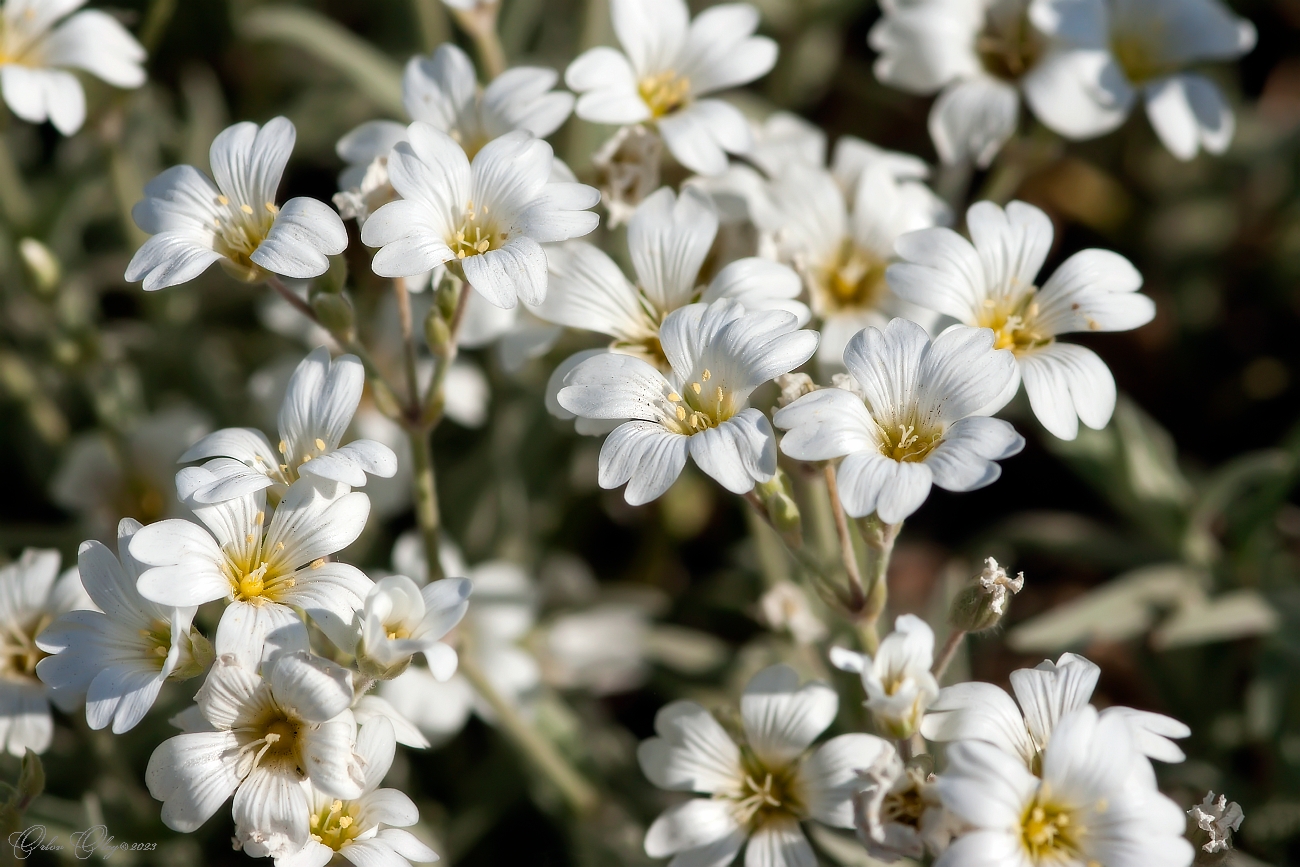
(247, 209)
(696, 387)
(223, 200)
(320, 444)
(271, 208)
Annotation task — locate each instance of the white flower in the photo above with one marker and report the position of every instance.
(442, 90)
(761, 788)
(1104, 54)
(117, 658)
(102, 478)
(1047, 693)
(897, 810)
(400, 619)
(668, 239)
(318, 406)
(627, 170)
(602, 650)
(990, 283)
(367, 830)
(267, 737)
(1218, 819)
(264, 569)
(718, 355)
(31, 595)
(35, 54)
(491, 217)
(235, 221)
(503, 612)
(918, 420)
(897, 681)
(785, 607)
(840, 238)
(669, 63)
(1094, 802)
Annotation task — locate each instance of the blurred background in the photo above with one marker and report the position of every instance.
(1166, 548)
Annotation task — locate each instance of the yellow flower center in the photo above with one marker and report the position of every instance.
(273, 740)
(1133, 52)
(159, 635)
(1051, 833)
(18, 651)
(334, 825)
(240, 230)
(289, 469)
(701, 405)
(665, 92)
(478, 233)
(764, 793)
(1009, 49)
(18, 45)
(258, 573)
(910, 443)
(853, 279)
(1014, 320)
(906, 805)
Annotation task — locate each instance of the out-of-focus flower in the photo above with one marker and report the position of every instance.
(897, 681)
(102, 478)
(31, 595)
(602, 649)
(491, 217)
(264, 569)
(117, 658)
(401, 619)
(318, 406)
(667, 64)
(267, 737)
(897, 810)
(235, 221)
(718, 355)
(1217, 819)
(918, 421)
(668, 238)
(785, 607)
(36, 51)
(442, 90)
(990, 284)
(1046, 693)
(366, 831)
(841, 239)
(761, 788)
(627, 168)
(1093, 801)
(1104, 54)
(980, 605)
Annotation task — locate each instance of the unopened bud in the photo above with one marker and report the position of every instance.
(782, 511)
(793, 386)
(437, 333)
(448, 298)
(385, 400)
(983, 602)
(196, 655)
(41, 264)
(334, 312)
(333, 280)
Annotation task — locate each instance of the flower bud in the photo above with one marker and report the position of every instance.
(448, 297)
(41, 264)
(782, 510)
(333, 280)
(437, 333)
(334, 312)
(793, 386)
(982, 603)
(195, 657)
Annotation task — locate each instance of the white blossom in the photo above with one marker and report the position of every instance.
(920, 418)
(264, 569)
(897, 810)
(897, 680)
(1104, 55)
(837, 228)
(491, 217)
(31, 595)
(718, 354)
(1218, 819)
(235, 221)
(1046, 694)
(318, 407)
(267, 736)
(990, 282)
(762, 788)
(37, 49)
(785, 607)
(401, 619)
(367, 831)
(603, 649)
(668, 238)
(669, 63)
(117, 658)
(442, 90)
(1094, 801)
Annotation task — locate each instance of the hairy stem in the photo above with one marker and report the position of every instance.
(946, 655)
(857, 597)
(427, 514)
(580, 795)
(481, 25)
(879, 537)
(408, 342)
(432, 15)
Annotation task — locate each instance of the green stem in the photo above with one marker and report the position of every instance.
(434, 400)
(155, 23)
(481, 25)
(879, 537)
(580, 795)
(849, 556)
(947, 653)
(816, 572)
(15, 199)
(408, 342)
(434, 29)
(426, 499)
